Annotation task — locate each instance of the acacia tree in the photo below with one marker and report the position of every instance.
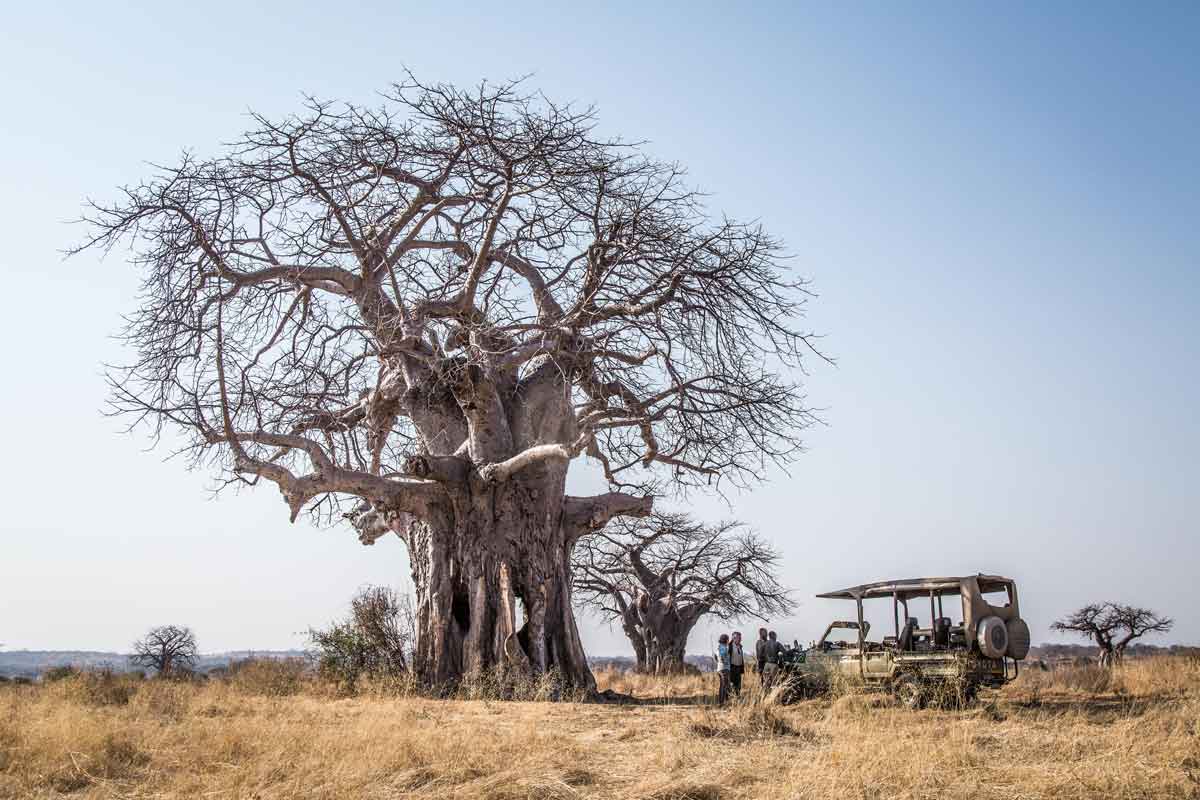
(659, 575)
(166, 649)
(417, 315)
(1112, 627)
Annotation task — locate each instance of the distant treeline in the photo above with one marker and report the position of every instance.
(31, 663)
(1050, 652)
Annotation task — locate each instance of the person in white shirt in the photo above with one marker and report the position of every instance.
(737, 662)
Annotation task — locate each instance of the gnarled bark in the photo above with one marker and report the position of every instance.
(493, 583)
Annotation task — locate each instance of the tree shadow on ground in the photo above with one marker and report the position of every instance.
(1097, 709)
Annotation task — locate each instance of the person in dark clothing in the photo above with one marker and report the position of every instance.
(760, 655)
(771, 652)
(737, 662)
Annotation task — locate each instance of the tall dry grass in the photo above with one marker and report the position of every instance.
(270, 734)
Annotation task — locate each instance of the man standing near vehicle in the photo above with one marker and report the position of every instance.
(760, 656)
(737, 663)
(771, 652)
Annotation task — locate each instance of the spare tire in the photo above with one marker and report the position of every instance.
(992, 637)
(1018, 638)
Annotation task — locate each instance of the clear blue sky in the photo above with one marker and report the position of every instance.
(999, 208)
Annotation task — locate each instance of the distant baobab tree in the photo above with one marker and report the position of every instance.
(416, 315)
(1112, 627)
(166, 649)
(660, 575)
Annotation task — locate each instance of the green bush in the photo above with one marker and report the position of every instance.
(372, 642)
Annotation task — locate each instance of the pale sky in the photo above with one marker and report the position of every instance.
(999, 208)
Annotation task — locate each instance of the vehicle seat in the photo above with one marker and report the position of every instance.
(941, 632)
(958, 635)
(906, 636)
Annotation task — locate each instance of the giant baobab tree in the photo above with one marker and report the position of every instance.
(416, 315)
(659, 575)
(1112, 627)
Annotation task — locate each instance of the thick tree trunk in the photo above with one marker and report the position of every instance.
(492, 578)
(667, 645)
(629, 623)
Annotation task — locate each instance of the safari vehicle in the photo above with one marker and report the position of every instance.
(947, 659)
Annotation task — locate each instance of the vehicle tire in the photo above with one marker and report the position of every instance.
(992, 637)
(909, 692)
(1018, 638)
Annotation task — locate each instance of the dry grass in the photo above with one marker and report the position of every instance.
(270, 734)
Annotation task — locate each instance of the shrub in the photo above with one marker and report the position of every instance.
(374, 641)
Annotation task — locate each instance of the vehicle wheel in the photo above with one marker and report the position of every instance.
(909, 692)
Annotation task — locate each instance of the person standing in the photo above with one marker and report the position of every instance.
(760, 657)
(723, 669)
(737, 663)
(771, 652)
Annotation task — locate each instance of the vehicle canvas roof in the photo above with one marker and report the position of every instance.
(913, 587)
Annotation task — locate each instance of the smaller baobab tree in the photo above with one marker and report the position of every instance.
(166, 649)
(659, 575)
(1112, 627)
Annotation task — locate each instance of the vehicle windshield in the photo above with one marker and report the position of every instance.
(842, 634)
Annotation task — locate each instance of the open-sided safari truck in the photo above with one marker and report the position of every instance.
(951, 636)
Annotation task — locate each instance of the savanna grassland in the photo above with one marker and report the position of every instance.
(269, 732)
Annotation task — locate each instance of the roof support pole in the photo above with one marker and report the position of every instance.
(862, 655)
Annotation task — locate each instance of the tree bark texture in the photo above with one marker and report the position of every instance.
(493, 584)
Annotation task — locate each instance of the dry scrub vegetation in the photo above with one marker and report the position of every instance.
(269, 731)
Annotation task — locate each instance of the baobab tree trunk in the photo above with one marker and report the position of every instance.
(669, 655)
(492, 578)
(633, 632)
(666, 643)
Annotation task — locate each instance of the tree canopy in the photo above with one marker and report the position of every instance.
(346, 286)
